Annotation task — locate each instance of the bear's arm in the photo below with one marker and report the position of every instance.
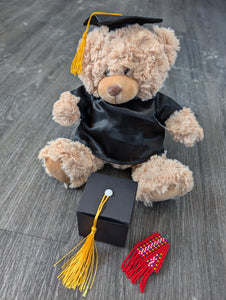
(65, 110)
(184, 127)
(165, 107)
(180, 122)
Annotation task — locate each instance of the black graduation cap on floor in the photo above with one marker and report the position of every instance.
(111, 226)
(113, 21)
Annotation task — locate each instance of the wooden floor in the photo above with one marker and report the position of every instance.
(38, 216)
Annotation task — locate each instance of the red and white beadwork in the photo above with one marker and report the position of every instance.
(151, 245)
(145, 258)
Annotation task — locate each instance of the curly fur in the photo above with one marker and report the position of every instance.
(148, 55)
(65, 110)
(77, 160)
(184, 127)
(160, 179)
(171, 44)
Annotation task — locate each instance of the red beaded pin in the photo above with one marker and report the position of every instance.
(145, 258)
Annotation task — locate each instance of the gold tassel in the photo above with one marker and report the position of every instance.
(76, 66)
(80, 270)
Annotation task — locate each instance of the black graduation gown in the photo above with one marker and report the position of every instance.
(127, 133)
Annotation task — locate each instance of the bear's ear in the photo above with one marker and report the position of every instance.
(170, 42)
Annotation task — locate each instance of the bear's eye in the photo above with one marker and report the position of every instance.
(106, 72)
(126, 71)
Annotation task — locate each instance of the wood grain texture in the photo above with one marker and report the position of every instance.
(38, 216)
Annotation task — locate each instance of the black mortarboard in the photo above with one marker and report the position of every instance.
(115, 21)
(115, 218)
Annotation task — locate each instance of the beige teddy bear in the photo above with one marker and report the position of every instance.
(121, 115)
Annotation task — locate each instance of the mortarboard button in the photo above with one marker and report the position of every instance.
(108, 192)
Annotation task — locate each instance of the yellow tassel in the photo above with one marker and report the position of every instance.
(80, 270)
(76, 66)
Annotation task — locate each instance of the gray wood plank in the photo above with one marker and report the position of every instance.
(38, 216)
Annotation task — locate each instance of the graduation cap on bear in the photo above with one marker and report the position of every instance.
(112, 21)
(118, 21)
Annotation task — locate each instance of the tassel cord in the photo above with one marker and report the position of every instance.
(69, 252)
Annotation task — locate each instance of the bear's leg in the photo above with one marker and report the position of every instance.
(161, 179)
(70, 162)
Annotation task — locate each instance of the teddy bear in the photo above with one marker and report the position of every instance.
(120, 114)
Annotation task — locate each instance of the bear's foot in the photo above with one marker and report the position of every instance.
(54, 169)
(161, 179)
(69, 162)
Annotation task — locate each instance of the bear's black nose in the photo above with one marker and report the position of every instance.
(114, 89)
